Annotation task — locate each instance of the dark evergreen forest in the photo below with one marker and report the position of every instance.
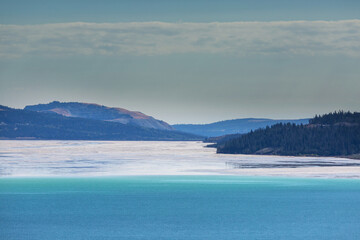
(333, 134)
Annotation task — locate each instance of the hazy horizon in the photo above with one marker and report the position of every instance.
(184, 61)
(190, 122)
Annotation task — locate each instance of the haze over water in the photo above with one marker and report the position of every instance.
(119, 158)
(103, 158)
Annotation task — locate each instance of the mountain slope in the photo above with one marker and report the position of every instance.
(99, 112)
(334, 134)
(232, 126)
(24, 124)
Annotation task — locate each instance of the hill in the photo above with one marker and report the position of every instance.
(99, 112)
(25, 124)
(333, 134)
(235, 126)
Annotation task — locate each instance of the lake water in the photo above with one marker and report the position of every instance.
(179, 207)
(171, 190)
(119, 158)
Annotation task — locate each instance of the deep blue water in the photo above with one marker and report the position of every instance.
(179, 207)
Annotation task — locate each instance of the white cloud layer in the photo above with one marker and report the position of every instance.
(159, 38)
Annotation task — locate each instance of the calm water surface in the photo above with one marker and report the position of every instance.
(119, 158)
(179, 207)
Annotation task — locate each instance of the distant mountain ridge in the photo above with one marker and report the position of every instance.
(235, 126)
(26, 124)
(99, 112)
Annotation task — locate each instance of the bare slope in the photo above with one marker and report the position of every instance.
(99, 112)
(25, 124)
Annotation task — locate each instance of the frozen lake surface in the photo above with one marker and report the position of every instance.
(120, 158)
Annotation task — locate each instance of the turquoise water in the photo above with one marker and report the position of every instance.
(179, 207)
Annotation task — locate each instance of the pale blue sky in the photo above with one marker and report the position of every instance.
(54, 11)
(260, 60)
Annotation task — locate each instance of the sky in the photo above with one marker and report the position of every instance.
(184, 61)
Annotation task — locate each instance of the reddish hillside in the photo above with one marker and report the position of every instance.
(99, 112)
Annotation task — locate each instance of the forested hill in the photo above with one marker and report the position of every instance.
(24, 124)
(333, 134)
(337, 118)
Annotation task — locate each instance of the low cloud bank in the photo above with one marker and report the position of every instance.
(161, 38)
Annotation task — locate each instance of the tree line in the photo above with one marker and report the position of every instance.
(333, 134)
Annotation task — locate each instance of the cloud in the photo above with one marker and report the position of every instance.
(161, 38)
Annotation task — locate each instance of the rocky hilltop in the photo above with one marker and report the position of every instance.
(99, 112)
